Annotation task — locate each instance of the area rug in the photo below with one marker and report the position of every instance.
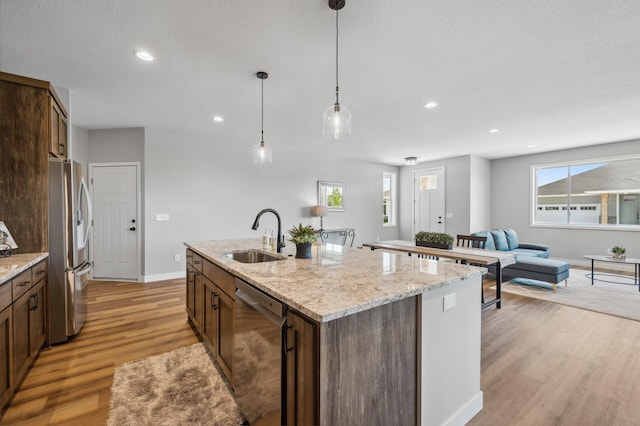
(622, 300)
(175, 388)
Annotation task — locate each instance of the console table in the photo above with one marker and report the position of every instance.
(611, 259)
(337, 236)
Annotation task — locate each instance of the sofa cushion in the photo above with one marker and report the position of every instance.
(512, 238)
(529, 252)
(500, 240)
(489, 244)
(537, 264)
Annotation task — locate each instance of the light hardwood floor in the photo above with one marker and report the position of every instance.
(542, 363)
(70, 383)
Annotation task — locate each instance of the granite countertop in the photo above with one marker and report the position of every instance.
(338, 281)
(17, 263)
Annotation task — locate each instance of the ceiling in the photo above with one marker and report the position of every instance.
(549, 73)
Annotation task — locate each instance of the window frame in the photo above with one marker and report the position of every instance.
(393, 199)
(533, 189)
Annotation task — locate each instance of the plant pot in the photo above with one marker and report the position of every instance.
(303, 251)
(619, 256)
(434, 245)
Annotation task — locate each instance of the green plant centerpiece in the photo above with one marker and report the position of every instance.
(303, 237)
(434, 239)
(618, 252)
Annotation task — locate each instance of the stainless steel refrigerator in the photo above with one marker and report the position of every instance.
(69, 230)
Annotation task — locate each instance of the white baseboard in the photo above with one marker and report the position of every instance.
(162, 277)
(467, 411)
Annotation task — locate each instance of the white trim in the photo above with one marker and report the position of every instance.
(163, 277)
(466, 412)
(139, 219)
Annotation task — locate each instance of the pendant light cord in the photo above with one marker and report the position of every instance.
(262, 116)
(337, 90)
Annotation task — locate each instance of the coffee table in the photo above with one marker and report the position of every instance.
(611, 259)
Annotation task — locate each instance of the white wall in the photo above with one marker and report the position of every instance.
(457, 195)
(511, 197)
(479, 194)
(211, 190)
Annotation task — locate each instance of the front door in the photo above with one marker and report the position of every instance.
(116, 253)
(428, 200)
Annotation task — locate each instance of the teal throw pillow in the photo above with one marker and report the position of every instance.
(500, 240)
(512, 238)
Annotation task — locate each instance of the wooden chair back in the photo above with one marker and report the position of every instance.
(471, 241)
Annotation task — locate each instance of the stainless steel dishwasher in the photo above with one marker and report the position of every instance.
(258, 362)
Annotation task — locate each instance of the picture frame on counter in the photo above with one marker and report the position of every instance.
(333, 195)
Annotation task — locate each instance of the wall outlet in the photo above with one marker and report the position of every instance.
(176, 257)
(448, 301)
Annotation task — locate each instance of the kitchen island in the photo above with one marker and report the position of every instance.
(370, 337)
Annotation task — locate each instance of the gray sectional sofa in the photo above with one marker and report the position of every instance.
(532, 260)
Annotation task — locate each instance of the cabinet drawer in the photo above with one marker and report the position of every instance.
(189, 257)
(38, 272)
(220, 277)
(197, 262)
(5, 295)
(21, 284)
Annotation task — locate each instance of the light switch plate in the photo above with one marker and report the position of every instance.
(162, 217)
(449, 215)
(448, 301)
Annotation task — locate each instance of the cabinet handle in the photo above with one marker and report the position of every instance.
(197, 262)
(39, 272)
(286, 339)
(34, 307)
(23, 283)
(37, 302)
(213, 300)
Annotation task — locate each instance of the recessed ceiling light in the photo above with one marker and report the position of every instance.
(145, 56)
(430, 105)
(218, 119)
(411, 161)
(494, 130)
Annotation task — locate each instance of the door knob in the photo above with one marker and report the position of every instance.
(133, 228)
(133, 221)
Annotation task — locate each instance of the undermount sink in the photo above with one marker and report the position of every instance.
(253, 256)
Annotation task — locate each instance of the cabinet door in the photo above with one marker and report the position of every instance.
(210, 316)
(191, 292)
(62, 137)
(21, 345)
(302, 370)
(224, 353)
(37, 319)
(6, 379)
(198, 300)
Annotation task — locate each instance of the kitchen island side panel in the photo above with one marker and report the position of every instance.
(450, 331)
(368, 366)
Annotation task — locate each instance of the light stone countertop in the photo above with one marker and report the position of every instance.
(16, 263)
(337, 281)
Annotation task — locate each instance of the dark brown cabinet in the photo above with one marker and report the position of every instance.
(57, 129)
(302, 370)
(29, 323)
(6, 353)
(210, 305)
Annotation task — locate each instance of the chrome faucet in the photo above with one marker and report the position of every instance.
(279, 237)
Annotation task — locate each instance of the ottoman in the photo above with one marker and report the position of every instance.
(539, 269)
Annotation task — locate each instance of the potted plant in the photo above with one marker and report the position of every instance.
(303, 237)
(618, 252)
(434, 239)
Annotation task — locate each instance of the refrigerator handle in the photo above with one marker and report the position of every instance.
(84, 270)
(89, 219)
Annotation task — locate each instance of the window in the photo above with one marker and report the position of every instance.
(388, 199)
(601, 194)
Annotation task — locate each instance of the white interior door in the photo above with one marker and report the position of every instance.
(428, 200)
(116, 241)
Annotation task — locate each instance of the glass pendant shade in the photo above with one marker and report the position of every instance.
(336, 122)
(261, 154)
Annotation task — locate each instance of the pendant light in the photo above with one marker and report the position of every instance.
(336, 122)
(261, 154)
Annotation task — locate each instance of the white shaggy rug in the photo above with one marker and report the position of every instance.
(175, 388)
(622, 300)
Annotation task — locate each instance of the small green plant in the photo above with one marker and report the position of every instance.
(618, 250)
(434, 237)
(303, 234)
